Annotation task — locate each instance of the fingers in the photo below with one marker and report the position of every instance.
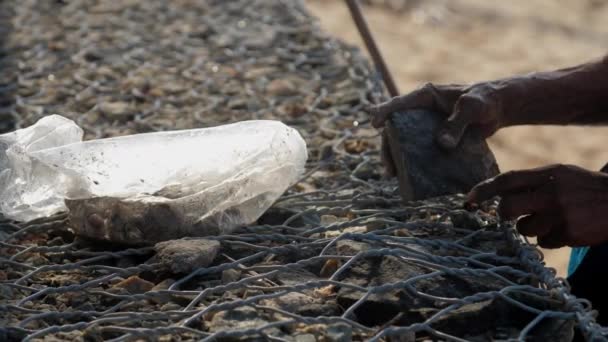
(417, 99)
(469, 109)
(510, 182)
(514, 205)
(539, 224)
(439, 98)
(556, 238)
(453, 130)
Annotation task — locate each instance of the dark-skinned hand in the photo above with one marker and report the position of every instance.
(561, 205)
(574, 95)
(462, 105)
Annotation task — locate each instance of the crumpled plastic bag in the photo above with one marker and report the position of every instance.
(224, 176)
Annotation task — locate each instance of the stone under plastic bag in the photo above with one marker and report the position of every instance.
(188, 183)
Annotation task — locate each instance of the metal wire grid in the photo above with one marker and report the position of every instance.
(172, 65)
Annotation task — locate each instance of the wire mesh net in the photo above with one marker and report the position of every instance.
(338, 258)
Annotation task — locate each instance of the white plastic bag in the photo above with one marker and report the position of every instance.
(239, 168)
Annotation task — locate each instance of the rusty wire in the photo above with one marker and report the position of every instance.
(306, 269)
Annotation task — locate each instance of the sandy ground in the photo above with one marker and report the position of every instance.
(463, 41)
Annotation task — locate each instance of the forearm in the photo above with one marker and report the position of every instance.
(571, 96)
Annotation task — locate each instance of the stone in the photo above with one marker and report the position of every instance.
(329, 268)
(465, 219)
(305, 338)
(303, 305)
(136, 223)
(134, 285)
(163, 285)
(366, 170)
(185, 256)
(120, 111)
(231, 276)
(240, 319)
(280, 87)
(426, 170)
(340, 332)
(350, 247)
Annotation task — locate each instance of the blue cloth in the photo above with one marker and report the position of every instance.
(576, 257)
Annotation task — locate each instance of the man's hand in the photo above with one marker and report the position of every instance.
(561, 205)
(462, 106)
(575, 95)
(479, 104)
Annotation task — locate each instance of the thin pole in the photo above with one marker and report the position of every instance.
(372, 48)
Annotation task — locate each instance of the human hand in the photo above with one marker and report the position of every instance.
(480, 105)
(562, 205)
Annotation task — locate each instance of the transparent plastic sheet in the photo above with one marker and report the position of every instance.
(231, 173)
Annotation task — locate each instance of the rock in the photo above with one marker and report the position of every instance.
(281, 87)
(303, 305)
(126, 262)
(231, 276)
(127, 222)
(134, 285)
(6, 292)
(12, 334)
(329, 268)
(379, 308)
(185, 256)
(56, 241)
(339, 332)
(170, 307)
(465, 219)
(356, 146)
(424, 169)
(240, 319)
(326, 220)
(350, 247)
(163, 285)
(120, 111)
(295, 276)
(366, 170)
(305, 338)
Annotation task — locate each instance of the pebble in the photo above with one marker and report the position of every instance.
(366, 170)
(305, 338)
(230, 276)
(281, 87)
(329, 268)
(120, 111)
(134, 285)
(356, 146)
(185, 256)
(350, 247)
(339, 333)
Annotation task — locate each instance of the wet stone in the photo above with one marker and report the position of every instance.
(426, 170)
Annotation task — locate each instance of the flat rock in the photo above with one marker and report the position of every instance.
(121, 221)
(303, 305)
(185, 256)
(240, 319)
(426, 170)
(135, 285)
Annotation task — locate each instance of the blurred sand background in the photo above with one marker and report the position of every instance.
(463, 41)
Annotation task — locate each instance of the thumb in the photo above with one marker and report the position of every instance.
(453, 129)
(467, 110)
